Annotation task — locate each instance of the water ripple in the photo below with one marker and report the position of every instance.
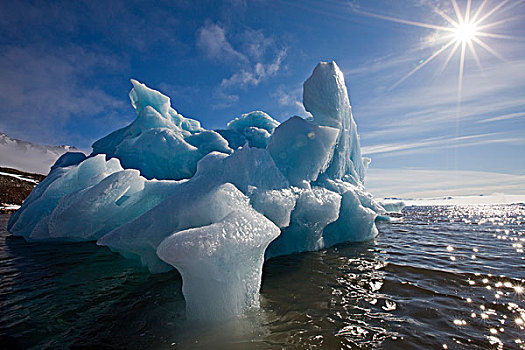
(437, 277)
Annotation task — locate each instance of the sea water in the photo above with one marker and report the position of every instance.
(442, 277)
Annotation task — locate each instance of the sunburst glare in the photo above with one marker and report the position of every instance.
(462, 33)
(466, 32)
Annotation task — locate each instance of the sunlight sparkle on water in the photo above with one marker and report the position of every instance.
(495, 301)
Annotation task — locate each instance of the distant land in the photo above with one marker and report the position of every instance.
(29, 157)
(22, 166)
(15, 186)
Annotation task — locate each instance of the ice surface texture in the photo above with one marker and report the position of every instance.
(161, 143)
(213, 204)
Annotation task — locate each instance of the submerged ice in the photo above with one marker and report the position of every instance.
(214, 204)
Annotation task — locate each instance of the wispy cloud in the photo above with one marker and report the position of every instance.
(417, 109)
(246, 77)
(41, 96)
(257, 56)
(255, 43)
(291, 99)
(211, 39)
(419, 183)
(503, 117)
(435, 143)
(60, 63)
(253, 76)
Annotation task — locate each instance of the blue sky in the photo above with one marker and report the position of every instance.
(65, 69)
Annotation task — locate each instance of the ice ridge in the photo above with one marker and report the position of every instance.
(213, 204)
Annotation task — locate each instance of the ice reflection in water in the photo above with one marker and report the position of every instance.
(440, 277)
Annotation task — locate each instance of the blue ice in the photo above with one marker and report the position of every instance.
(213, 204)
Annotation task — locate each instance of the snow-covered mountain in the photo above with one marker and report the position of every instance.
(27, 156)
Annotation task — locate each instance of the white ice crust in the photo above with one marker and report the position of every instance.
(213, 204)
(392, 206)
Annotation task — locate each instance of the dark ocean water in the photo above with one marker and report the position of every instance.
(438, 277)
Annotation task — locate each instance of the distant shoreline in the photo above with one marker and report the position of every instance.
(15, 186)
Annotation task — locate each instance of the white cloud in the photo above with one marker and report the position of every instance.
(286, 99)
(291, 99)
(255, 43)
(211, 39)
(417, 109)
(253, 76)
(246, 77)
(41, 91)
(418, 183)
(434, 143)
(257, 55)
(503, 117)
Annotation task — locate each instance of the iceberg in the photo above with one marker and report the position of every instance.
(315, 208)
(213, 204)
(160, 143)
(392, 206)
(32, 220)
(302, 149)
(221, 264)
(326, 98)
(254, 128)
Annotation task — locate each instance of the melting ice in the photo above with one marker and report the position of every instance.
(214, 204)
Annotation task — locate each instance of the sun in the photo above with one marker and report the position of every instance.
(465, 32)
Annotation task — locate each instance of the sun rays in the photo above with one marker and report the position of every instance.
(464, 33)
